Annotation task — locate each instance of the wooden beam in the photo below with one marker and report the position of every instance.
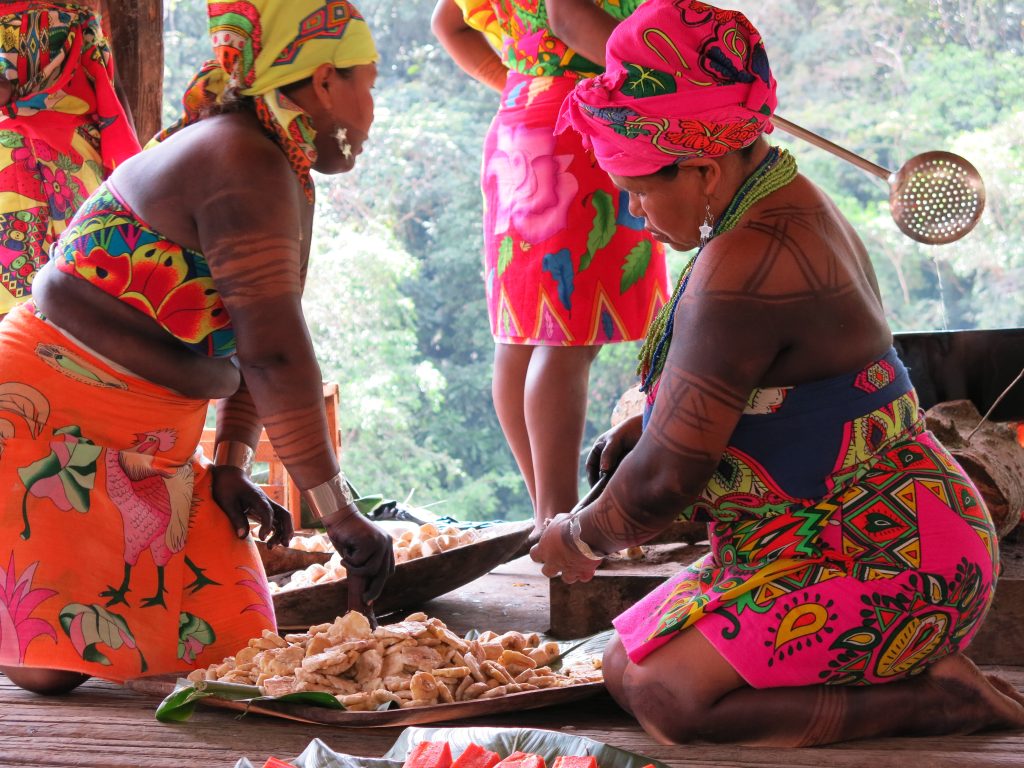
(136, 31)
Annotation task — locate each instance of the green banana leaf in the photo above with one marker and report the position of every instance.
(179, 704)
(365, 504)
(504, 741)
(581, 650)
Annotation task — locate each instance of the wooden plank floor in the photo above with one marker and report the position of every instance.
(105, 726)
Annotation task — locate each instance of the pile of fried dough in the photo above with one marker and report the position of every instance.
(418, 662)
(428, 539)
(411, 544)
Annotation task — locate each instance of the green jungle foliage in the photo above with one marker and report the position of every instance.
(396, 300)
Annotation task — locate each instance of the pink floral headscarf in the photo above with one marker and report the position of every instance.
(684, 79)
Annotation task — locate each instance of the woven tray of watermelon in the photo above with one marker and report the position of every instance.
(475, 748)
(416, 671)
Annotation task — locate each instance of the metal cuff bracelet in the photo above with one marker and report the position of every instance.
(329, 497)
(233, 453)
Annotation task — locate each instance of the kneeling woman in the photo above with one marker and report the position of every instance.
(180, 280)
(851, 559)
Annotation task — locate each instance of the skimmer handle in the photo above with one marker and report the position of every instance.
(835, 149)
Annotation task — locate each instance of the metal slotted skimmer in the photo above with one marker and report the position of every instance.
(935, 198)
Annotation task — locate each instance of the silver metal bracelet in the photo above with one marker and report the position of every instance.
(575, 533)
(329, 497)
(233, 453)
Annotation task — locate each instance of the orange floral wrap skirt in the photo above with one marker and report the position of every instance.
(115, 560)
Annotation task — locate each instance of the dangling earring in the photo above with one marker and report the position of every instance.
(341, 136)
(707, 228)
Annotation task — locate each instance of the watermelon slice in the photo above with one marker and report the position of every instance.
(522, 760)
(273, 762)
(430, 754)
(475, 756)
(575, 761)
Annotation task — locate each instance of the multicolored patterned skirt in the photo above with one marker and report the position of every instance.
(114, 559)
(890, 568)
(565, 262)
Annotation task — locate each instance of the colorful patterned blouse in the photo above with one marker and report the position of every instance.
(112, 248)
(528, 46)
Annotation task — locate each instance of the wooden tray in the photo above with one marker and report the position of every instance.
(285, 559)
(413, 583)
(512, 702)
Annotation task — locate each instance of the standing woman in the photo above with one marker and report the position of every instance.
(180, 281)
(62, 131)
(567, 268)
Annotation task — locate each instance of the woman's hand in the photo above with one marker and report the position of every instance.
(611, 448)
(241, 499)
(559, 555)
(365, 549)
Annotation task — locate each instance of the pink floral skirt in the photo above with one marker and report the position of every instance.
(565, 262)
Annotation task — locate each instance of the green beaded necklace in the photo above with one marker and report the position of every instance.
(774, 172)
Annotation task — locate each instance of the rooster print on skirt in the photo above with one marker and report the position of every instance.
(155, 505)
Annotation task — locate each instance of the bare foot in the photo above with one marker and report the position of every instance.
(1006, 688)
(972, 702)
(48, 682)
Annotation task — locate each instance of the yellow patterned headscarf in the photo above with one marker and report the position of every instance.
(264, 45)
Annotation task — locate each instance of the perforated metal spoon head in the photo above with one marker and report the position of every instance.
(936, 197)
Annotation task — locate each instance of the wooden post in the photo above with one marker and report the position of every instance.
(137, 41)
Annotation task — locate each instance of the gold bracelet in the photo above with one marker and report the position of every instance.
(233, 453)
(330, 497)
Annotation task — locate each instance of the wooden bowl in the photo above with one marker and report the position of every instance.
(413, 583)
(285, 559)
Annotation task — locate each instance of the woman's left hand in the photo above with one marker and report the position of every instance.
(559, 555)
(241, 499)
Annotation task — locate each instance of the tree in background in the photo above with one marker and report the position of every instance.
(395, 297)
